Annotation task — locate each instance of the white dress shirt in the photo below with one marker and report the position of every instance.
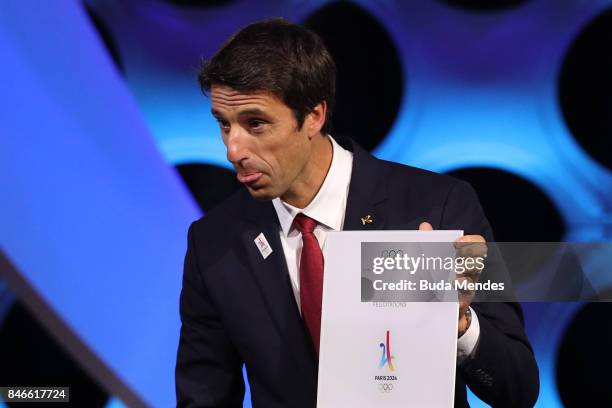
(328, 208)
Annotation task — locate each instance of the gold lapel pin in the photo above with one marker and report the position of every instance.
(366, 220)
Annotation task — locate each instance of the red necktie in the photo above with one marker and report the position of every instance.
(311, 277)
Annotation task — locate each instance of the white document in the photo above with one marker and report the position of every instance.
(382, 354)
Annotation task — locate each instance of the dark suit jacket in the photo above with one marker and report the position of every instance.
(238, 308)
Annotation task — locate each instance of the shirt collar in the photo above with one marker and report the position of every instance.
(328, 205)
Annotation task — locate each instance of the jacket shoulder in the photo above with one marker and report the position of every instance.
(416, 195)
(221, 220)
(403, 176)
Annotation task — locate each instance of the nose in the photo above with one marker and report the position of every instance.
(236, 146)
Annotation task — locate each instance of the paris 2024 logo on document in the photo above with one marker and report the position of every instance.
(385, 382)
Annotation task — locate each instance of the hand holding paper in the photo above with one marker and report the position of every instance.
(467, 246)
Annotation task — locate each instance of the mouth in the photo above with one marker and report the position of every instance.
(248, 177)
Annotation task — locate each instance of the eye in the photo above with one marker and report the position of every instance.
(256, 124)
(223, 124)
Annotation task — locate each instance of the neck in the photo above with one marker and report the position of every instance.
(304, 189)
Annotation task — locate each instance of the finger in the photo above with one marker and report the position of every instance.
(425, 226)
(471, 268)
(465, 296)
(473, 273)
(462, 309)
(465, 301)
(468, 240)
(474, 249)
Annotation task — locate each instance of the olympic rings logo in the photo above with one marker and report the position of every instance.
(385, 387)
(392, 253)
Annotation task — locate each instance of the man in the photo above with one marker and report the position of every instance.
(253, 270)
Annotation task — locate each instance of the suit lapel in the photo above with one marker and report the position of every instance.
(272, 277)
(363, 214)
(365, 206)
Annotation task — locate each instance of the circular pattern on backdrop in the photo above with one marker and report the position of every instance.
(584, 358)
(369, 82)
(585, 88)
(30, 356)
(208, 184)
(485, 5)
(517, 209)
(106, 36)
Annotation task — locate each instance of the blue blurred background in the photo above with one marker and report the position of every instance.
(108, 152)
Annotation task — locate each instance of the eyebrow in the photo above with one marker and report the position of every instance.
(254, 111)
(248, 112)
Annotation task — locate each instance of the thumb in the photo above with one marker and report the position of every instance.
(425, 226)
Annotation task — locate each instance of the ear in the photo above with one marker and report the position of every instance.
(315, 119)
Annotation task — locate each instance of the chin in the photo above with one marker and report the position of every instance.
(261, 194)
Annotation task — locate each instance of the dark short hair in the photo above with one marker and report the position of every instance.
(277, 56)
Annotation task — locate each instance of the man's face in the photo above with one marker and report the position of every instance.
(263, 142)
